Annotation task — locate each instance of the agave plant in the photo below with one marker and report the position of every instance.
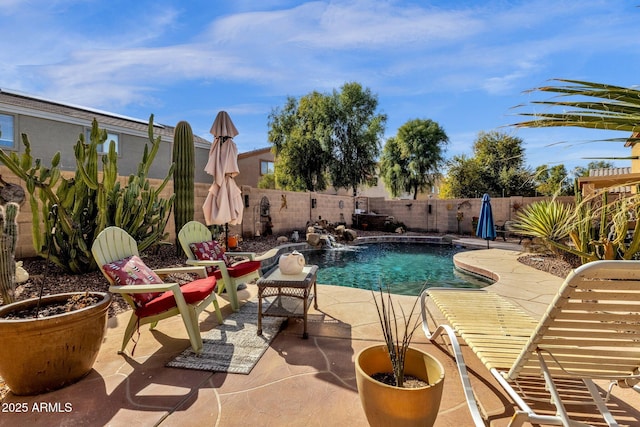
(592, 106)
(590, 229)
(549, 220)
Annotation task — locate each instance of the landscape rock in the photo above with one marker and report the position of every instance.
(350, 235)
(313, 239)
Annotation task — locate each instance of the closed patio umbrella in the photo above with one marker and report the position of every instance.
(223, 204)
(486, 228)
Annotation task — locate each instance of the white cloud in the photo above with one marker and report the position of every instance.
(423, 61)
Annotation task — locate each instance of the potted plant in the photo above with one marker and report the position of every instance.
(47, 342)
(399, 385)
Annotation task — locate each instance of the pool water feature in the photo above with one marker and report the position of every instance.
(405, 267)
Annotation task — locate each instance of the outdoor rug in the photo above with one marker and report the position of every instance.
(233, 346)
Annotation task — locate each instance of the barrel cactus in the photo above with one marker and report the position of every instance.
(183, 176)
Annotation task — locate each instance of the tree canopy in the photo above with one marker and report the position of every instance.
(411, 160)
(327, 139)
(553, 181)
(497, 168)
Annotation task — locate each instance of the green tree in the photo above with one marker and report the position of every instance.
(392, 167)
(267, 181)
(463, 179)
(414, 157)
(327, 139)
(496, 168)
(553, 181)
(298, 132)
(357, 130)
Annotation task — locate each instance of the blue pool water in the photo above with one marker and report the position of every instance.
(405, 267)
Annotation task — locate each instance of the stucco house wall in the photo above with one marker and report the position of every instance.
(52, 126)
(249, 164)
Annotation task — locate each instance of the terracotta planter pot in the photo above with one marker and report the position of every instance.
(386, 405)
(41, 355)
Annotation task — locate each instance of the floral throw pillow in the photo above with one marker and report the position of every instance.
(132, 271)
(209, 251)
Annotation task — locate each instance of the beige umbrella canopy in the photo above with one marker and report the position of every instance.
(223, 204)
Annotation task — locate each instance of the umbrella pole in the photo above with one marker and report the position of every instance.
(226, 235)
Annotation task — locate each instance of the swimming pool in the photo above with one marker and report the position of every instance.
(404, 266)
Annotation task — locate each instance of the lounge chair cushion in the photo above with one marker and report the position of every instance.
(193, 293)
(133, 271)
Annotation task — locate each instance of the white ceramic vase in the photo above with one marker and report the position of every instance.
(291, 263)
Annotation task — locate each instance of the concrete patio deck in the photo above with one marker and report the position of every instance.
(296, 383)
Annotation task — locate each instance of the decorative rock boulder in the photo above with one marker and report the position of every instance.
(282, 239)
(313, 239)
(350, 235)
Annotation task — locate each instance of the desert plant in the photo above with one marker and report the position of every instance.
(183, 176)
(85, 204)
(592, 229)
(397, 335)
(8, 240)
(595, 106)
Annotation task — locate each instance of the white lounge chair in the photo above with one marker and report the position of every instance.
(590, 331)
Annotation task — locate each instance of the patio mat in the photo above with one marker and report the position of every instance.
(233, 346)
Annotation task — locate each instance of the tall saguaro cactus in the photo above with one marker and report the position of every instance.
(183, 176)
(8, 240)
(87, 203)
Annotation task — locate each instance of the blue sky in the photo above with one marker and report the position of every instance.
(463, 64)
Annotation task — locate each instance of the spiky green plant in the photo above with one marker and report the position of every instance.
(601, 106)
(397, 342)
(590, 229)
(68, 213)
(592, 106)
(183, 176)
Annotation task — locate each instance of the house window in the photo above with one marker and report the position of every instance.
(266, 167)
(104, 148)
(7, 139)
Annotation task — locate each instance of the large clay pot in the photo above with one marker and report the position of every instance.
(45, 354)
(386, 405)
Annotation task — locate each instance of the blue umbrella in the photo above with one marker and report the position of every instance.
(486, 228)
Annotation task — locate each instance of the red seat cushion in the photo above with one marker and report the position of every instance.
(132, 271)
(240, 269)
(209, 251)
(193, 293)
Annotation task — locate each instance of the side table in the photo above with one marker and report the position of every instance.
(292, 292)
